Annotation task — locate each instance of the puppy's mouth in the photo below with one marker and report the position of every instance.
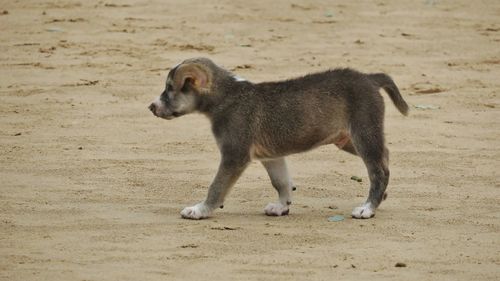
(160, 112)
(170, 116)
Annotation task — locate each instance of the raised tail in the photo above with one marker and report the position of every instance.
(384, 81)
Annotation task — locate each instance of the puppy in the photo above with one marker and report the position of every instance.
(268, 121)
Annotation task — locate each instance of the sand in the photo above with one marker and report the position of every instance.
(91, 184)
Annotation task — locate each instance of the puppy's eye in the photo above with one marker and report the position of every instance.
(170, 88)
(164, 96)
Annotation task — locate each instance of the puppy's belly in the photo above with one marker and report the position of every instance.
(280, 148)
(261, 152)
(340, 139)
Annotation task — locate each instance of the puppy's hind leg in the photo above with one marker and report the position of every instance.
(281, 181)
(369, 144)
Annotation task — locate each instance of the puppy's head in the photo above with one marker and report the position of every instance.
(185, 85)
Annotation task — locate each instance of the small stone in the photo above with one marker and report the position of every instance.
(400, 264)
(328, 14)
(336, 218)
(54, 29)
(356, 178)
(189, 246)
(426, 106)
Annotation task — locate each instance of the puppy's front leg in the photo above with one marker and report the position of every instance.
(230, 169)
(281, 181)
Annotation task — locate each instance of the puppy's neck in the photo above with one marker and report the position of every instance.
(224, 94)
(207, 104)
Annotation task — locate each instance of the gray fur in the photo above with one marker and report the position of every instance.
(268, 121)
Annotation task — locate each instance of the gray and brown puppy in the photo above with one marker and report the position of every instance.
(268, 121)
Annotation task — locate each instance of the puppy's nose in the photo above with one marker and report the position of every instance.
(152, 107)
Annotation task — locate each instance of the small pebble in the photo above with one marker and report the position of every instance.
(328, 14)
(54, 29)
(336, 218)
(400, 264)
(189, 246)
(426, 106)
(355, 178)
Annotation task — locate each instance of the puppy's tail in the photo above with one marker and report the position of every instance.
(384, 81)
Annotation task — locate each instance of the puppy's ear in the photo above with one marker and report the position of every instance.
(199, 77)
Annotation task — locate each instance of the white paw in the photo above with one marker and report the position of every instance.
(365, 211)
(196, 212)
(276, 209)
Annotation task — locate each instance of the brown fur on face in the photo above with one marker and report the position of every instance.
(268, 121)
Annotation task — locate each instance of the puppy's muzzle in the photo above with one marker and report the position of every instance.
(159, 110)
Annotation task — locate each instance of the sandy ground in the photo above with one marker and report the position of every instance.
(91, 184)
